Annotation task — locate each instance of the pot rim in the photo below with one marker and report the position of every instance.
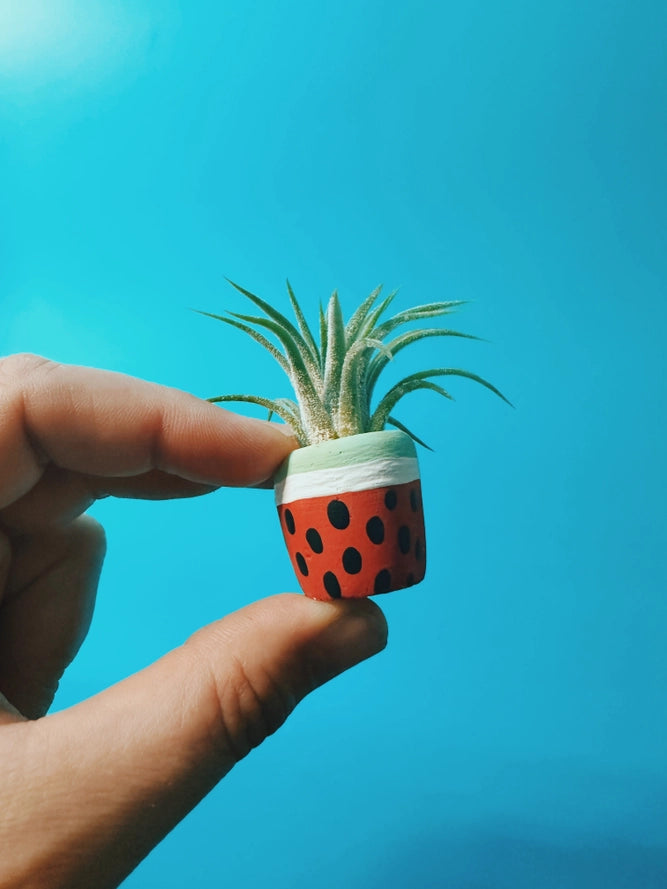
(354, 463)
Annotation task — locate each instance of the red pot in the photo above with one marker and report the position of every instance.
(351, 514)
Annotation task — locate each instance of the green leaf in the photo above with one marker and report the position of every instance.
(303, 325)
(272, 312)
(416, 313)
(280, 358)
(353, 409)
(281, 321)
(283, 407)
(333, 364)
(410, 383)
(323, 339)
(297, 353)
(397, 423)
(369, 327)
(291, 408)
(301, 363)
(391, 399)
(303, 376)
(405, 339)
(354, 324)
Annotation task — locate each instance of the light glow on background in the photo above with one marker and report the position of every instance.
(43, 40)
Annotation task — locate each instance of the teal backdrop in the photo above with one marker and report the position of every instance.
(513, 734)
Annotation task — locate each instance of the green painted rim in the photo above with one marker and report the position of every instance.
(348, 451)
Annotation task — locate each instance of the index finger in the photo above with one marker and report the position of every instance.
(103, 423)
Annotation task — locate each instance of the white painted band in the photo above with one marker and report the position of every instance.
(341, 480)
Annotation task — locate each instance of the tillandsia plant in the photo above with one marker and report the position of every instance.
(350, 499)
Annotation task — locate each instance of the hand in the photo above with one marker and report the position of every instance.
(87, 792)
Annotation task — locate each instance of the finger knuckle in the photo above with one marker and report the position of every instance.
(259, 702)
(247, 705)
(20, 365)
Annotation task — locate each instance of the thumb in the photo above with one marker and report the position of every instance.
(114, 774)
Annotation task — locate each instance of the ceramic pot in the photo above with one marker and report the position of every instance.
(351, 514)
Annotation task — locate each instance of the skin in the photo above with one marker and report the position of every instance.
(87, 792)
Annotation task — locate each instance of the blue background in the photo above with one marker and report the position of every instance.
(513, 733)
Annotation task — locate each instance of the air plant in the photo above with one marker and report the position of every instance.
(334, 380)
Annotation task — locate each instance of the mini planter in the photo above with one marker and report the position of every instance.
(349, 499)
(351, 514)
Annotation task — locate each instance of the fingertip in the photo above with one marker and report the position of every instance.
(358, 631)
(335, 634)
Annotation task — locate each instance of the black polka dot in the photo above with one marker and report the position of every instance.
(404, 539)
(382, 582)
(418, 549)
(301, 562)
(414, 500)
(410, 579)
(338, 514)
(352, 560)
(331, 585)
(390, 499)
(375, 529)
(314, 540)
(289, 521)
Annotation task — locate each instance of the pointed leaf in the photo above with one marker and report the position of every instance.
(279, 406)
(304, 377)
(280, 319)
(296, 350)
(292, 410)
(391, 399)
(369, 327)
(303, 325)
(353, 408)
(323, 339)
(397, 423)
(457, 372)
(301, 364)
(405, 339)
(354, 324)
(280, 358)
(416, 313)
(335, 354)
(408, 384)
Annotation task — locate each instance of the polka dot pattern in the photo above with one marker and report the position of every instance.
(289, 521)
(338, 514)
(314, 540)
(382, 582)
(301, 562)
(375, 529)
(352, 560)
(331, 585)
(356, 544)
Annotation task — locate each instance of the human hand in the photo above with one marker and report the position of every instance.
(87, 792)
